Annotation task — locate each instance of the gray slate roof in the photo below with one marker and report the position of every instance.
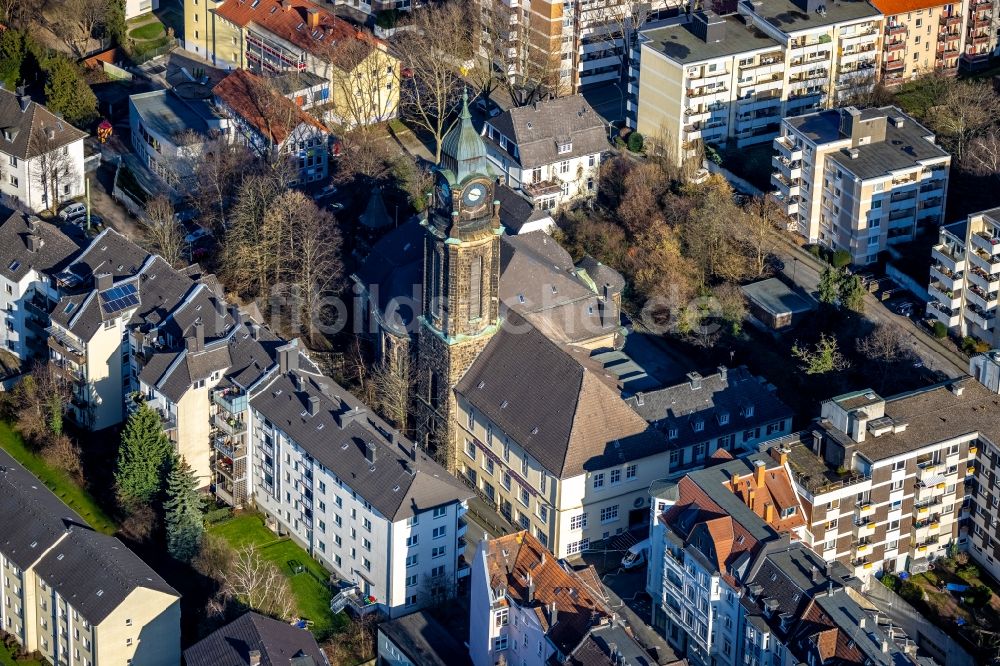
(50, 257)
(42, 518)
(95, 573)
(539, 128)
(777, 298)
(48, 131)
(515, 209)
(424, 641)
(596, 649)
(682, 405)
(109, 252)
(279, 643)
(394, 270)
(337, 435)
(543, 397)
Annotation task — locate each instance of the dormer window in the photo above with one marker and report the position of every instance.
(723, 418)
(565, 147)
(747, 411)
(672, 433)
(698, 425)
(503, 142)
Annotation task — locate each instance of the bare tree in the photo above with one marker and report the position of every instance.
(318, 267)
(968, 108)
(258, 583)
(75, 21)
(885, 346)
(54, 168)
(394, 384)
(983, 156)
(507, 59)
(435, 49)
(64, 454)
(161, 231)
(248, 258)
(218, 173)
(758, 226)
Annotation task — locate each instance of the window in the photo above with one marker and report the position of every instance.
(577, 522)
(440, 512)
(542, 512)
(440, 532)
(564, 166)
(898, 465)
(500, 642)
(13, 180)
(591, 160)
(577, 546)
(609, 514)
(599, 480)
(438, 551)
(411, 561)
(470, 449)
(525, 497)
(366, 563)
(367, 524)
(897, 485)
(411, 581)
(411, 600)
(501, 617)
(565, 148)
(616, 476)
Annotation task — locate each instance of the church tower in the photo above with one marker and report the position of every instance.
(460, 283)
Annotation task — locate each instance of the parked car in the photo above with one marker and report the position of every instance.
(327, 191)
(198, 234)
(334, 207)
(72, 211)
(637, 555)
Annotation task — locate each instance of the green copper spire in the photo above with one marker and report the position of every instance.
(463, 151)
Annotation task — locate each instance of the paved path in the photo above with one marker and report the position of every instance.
(804, 269)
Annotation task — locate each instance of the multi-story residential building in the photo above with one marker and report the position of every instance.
(986, 369)
(277, 37)
(883, 480)
(122, 304)
(702, 78)
(74, 595)
(361, 498)
(731, 411)
(273, 126)
(965, 276)
(980, 33)
(550, 150)
(859, 180)
(705, 531)
(42, 154)
(32, 253)
(529, 608)
(134, 8)
(169, 131)
(418, 639)
(253, 640)
(921, 36)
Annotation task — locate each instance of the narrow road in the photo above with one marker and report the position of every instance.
(804, 270)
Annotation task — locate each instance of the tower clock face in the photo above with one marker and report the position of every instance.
(474, 195)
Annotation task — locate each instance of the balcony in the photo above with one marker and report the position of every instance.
(864, 528)
(229, 424)
(543, 188)
(230, 448)
(231, 400)
(786, 188)
(988, 263)
(942, 294)
(463, 527)
(983, 280)
(65, 346)
(863, 547)
(986, 300)
(865, 509)
(895, 29)
(863, 563)
(894, 65)
(895, 46)
(787, 149)
(987, 243)
(462, 568)
(953, 281)
(951, 20)
(946, 315)
(789, 169)
(950, 258)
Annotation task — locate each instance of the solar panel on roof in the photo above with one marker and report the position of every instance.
(119, 298)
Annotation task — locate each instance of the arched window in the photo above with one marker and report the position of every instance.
(476, 288)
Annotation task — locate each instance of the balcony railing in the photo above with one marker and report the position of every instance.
(229, 424)
(233, 401)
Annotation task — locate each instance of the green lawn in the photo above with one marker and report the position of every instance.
(147, 31)
(57, 481)
(311, 593)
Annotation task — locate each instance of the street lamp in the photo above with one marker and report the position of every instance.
(795, 264)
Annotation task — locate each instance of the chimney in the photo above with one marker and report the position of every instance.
(956, 388)
(254, 657)
(723, 373)
(553, 614)
(531, 589)
(23, 99)
(255, 330)
(759, 467)
(817, 578)
(708, 26)
(288, 359)
(32, 223)
(769, 512)
(370, 454)
(312, 17)
(103, 281)
(695, 379)
(33, 242)
(313, 405)
(199, 335)
(234, 312)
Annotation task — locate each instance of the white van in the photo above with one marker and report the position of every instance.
(637, 555)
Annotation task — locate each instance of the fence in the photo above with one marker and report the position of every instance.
(146, 56)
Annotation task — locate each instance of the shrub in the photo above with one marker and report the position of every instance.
(840, 258)
(910, 591)
(387, 18)
(891, 581)
(635, 142)
(816, 251)
(978, 596)
(939, 330)
(218, 515)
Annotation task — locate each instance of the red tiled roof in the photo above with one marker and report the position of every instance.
(274, 116)
(302, 23)
(892, 7)
(827, 639)
(514, 560)
(769, 498)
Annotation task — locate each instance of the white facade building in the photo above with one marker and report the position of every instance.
(41, 155)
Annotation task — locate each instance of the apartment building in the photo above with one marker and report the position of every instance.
(121, 305)
(550, 151)
(883, 480)
(352, 491)
(986, 369)
(702, 78)
(859, 180)
(705, 530)
(921, 36)
(418, 639)
(529, 608)
(253, 640)
(42, 154)
(134, 8)
(980, 34)
(360, 78)
(731, 411)
(74, 595)
(273, 126)
(965, 276)
(32, 254)
(169, 131)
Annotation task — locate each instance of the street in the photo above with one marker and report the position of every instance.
(804, 270)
